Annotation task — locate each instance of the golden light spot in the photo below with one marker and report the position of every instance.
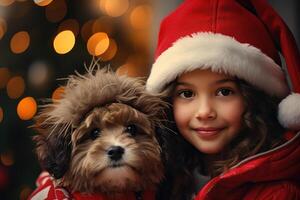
(141, 16)
(98, 43)
(110, 52)
(20, 42)
(86, 30)
(3, 27)
(69, 24)
(127, 69)
(102, 4)
(56, 11)
(27, 108)
(58, 92)
(64, 42)
(25, 192)
(4, 77)
(114, 8)
(15, 87)
(6, 2)
(1, 114)
(7, 159)
(103, 24)
(135, 66)
(42, 2)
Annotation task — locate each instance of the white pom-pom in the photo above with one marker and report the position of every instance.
(289, 112)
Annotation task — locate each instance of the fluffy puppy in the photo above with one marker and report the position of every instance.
(100, 136)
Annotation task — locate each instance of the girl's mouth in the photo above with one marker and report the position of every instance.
(208, 132)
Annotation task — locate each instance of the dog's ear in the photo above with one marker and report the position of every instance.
(52, 147)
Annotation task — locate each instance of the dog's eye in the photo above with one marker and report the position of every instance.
(131, 130)
(95, 133)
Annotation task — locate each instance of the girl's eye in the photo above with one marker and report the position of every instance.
(224, 92)
(131, 130)
(95, 133)
(186, 94)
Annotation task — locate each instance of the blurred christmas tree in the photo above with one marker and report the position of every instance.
(43, 40)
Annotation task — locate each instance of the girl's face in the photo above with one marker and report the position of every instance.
(208, 109)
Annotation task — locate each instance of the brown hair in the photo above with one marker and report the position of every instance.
(261, 132)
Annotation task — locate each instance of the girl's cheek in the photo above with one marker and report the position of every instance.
(233, 111)
(179, 111)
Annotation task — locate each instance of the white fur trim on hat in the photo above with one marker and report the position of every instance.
(289, 112)
(220, 53)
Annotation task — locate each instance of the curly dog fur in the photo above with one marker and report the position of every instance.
(100, 136)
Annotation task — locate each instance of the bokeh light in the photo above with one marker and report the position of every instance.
(56, 11)
(87, 30)
(98, 43)
(7, 159)
(111, 51)
(27, 108)
(141, 16)
(6, 2)
(38, 74)
(20, 42)
(69, 24)
(134, 66)
(59, 36)
(15, 87)
(57, 94)
(114, 8)
(42, 2)
(3, 27)
(127, 69)
(1, 114)
(4, 77)
(64, 42)
(103, 24)
(102, 4)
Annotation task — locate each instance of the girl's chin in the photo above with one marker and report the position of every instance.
(210, 149)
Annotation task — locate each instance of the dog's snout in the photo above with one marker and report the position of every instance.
(115, 152)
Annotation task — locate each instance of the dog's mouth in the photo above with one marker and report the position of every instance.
(116, 165)
(118, 178)
(120, 165)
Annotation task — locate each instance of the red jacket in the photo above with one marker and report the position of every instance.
(267, 176)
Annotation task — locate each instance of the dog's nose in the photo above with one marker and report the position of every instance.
(115, 152)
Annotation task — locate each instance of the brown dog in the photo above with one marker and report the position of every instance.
(100, 136)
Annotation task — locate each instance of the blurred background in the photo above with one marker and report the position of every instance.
(44, 40)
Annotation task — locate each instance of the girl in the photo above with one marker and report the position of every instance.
(218, 61)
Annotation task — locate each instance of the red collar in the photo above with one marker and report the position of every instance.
(147, 195)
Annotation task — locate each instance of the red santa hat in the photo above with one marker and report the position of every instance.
(236, 37)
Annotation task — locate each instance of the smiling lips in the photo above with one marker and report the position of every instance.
(208, 132)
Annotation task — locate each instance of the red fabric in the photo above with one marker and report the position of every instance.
(273, 175)
(46, 190)
(227, 17)
(260, 28)
(281, 33)
(148, 195)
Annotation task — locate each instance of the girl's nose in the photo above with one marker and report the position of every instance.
(205, 110)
